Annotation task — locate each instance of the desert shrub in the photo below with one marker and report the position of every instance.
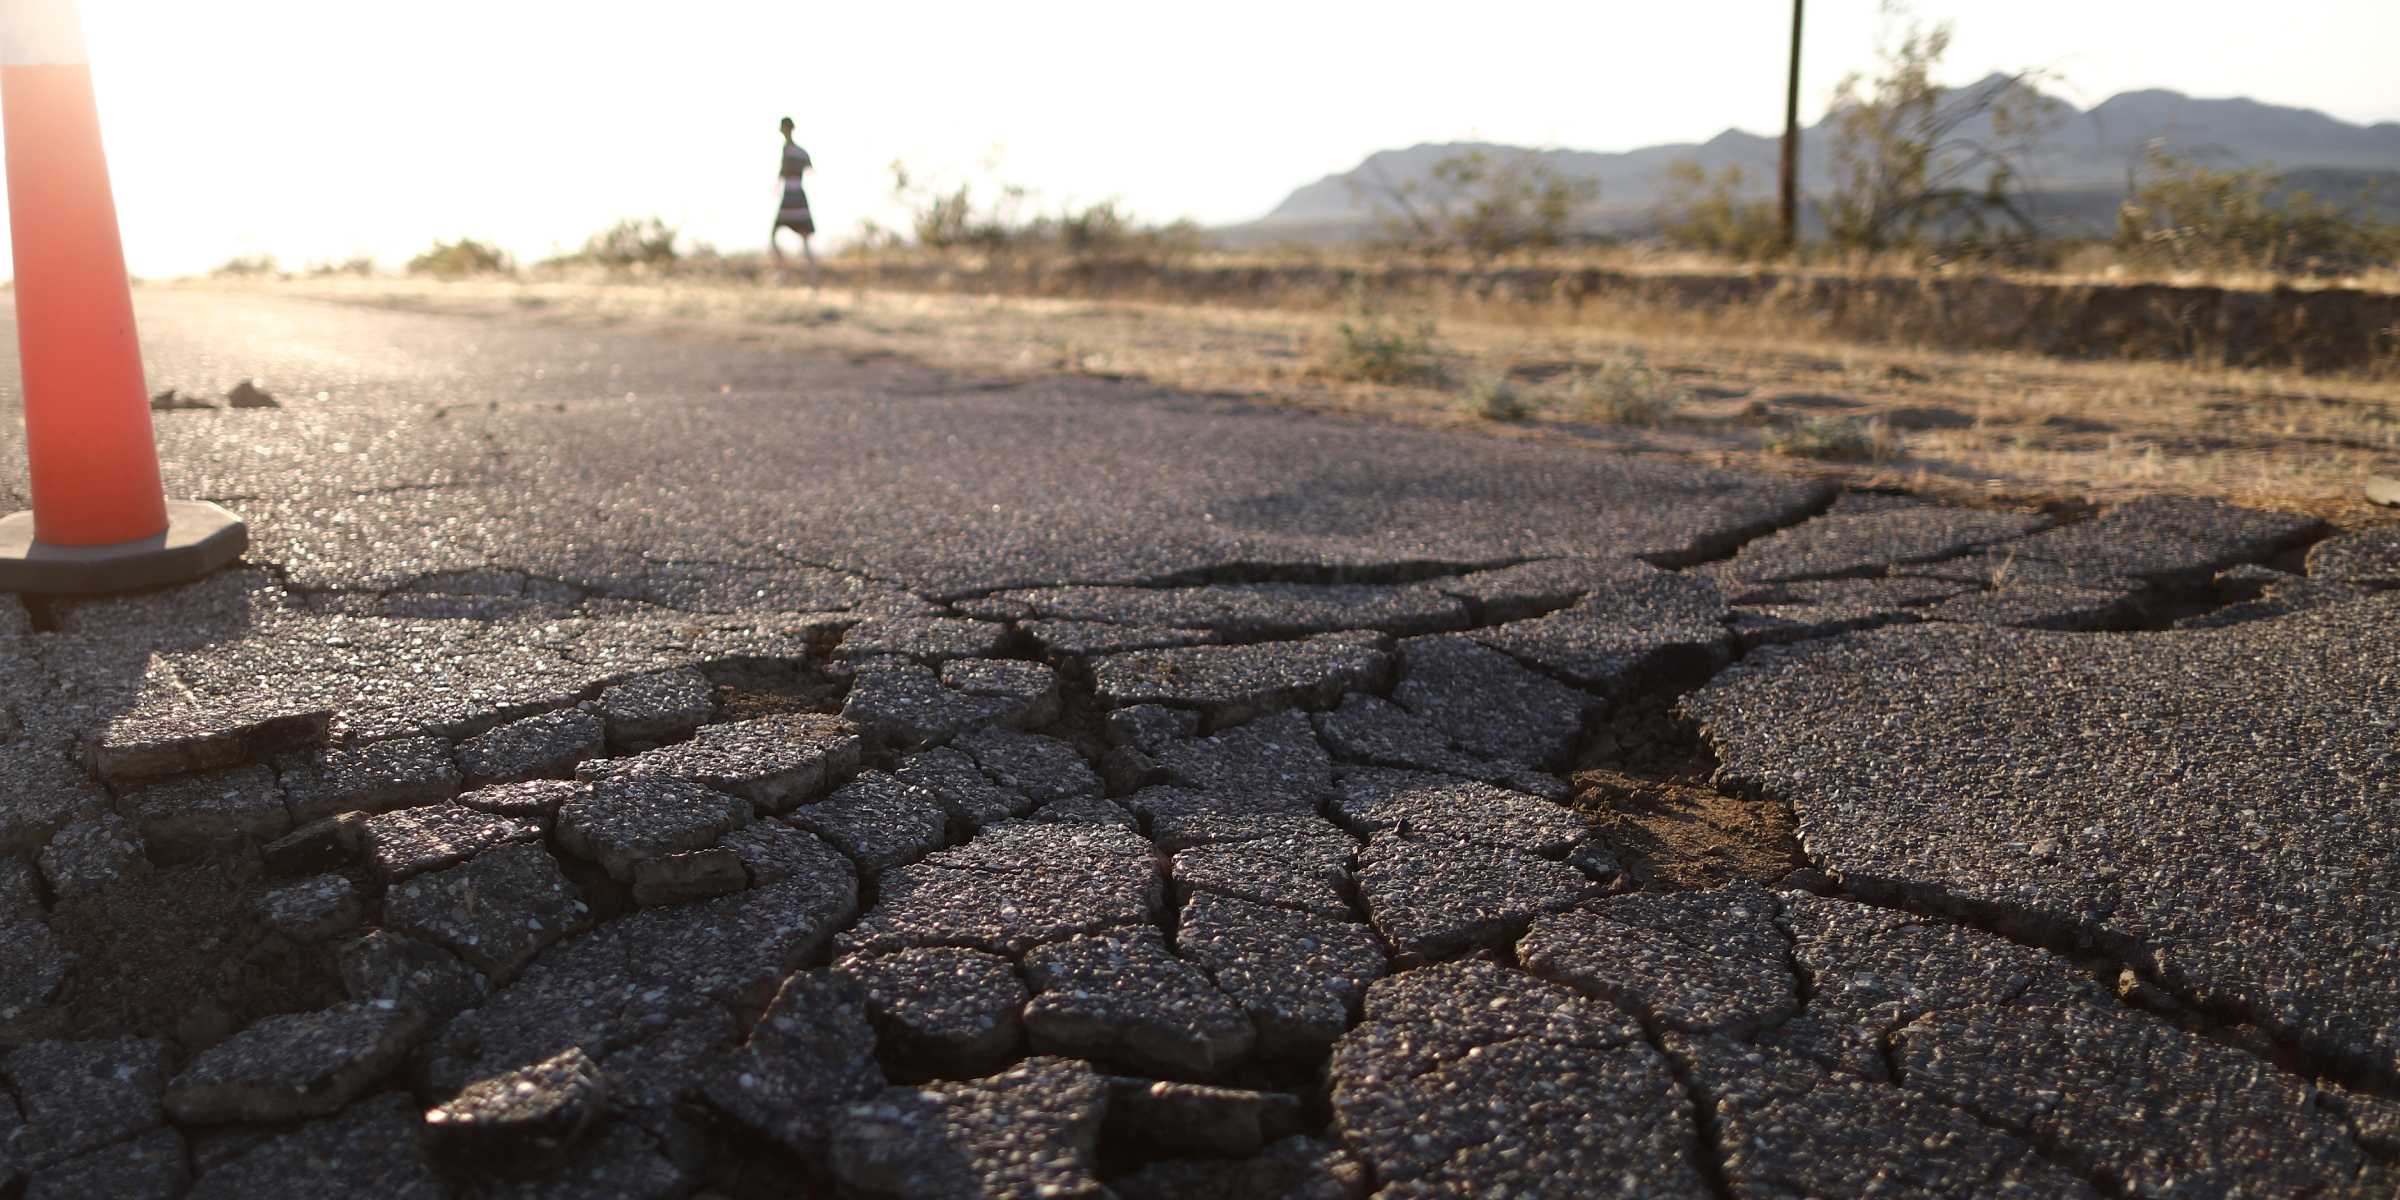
(1721, 214)
(1831, 437)
(1370, 346)
(1484, 204)
(356, 264)
(1003, 217)
(2185, 214)
(466, 256)
(246, 264)
(648, 241)
(1907, 154)
(1492, 396)
(1625, 393)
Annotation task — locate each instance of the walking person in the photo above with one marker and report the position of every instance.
(792, 213)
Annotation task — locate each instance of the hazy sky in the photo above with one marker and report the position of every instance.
(314, 129)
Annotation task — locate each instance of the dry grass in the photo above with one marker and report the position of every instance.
(1990, 427)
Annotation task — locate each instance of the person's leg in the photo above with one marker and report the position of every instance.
(776, 248)
(811, 253)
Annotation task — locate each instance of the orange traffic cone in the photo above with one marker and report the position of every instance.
(100, 520)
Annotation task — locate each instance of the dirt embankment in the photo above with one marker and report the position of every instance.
(2311, 330)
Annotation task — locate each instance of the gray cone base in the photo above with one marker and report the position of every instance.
(200, 537)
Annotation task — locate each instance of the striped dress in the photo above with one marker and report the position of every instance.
(794, 210)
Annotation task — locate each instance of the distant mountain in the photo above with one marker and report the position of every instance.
(2086, 154)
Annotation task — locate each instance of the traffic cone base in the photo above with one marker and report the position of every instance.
(199, 538)
(100, 520)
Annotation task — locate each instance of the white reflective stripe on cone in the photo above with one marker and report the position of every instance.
(40, 32)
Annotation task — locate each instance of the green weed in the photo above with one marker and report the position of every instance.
(1625, 393)
(1370, 347)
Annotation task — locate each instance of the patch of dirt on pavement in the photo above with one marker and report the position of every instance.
(762, 689)
(1644, 777)
(185, 953)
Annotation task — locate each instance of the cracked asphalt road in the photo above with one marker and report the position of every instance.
(624, 767)
(673, 453)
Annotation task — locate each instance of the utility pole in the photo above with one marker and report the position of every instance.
(1787, 208)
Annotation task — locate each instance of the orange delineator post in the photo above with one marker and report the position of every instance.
(88, 442)
(100, 519)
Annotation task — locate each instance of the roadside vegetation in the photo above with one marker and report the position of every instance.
(1433, 321)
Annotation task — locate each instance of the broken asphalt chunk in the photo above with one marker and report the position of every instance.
(1488, 704)
(1788, 1126)
(1194, 1118)
(1626, 634)
(811, 1054)
(150, 1167)
(295, 1065)
(547, 746)
(773, 762)
(1698, 962)
(878, 821)
(496, 910)
(413, 841)
(207, 814)
(1119, 996)
(370, 1151)
(626, 820)
(1432, 897)
(1030, 689)
(1277, 754)
(1471, 1077)
(313, 910)
(1227, 685)
(1019, 884)
(33, 963)
(1298, 976)
(648, 710)
(951, 777)
(199, 739)
(923, 640)
(944, 1010)
(905, 706)
(1029, 1131)
(2364, 556)
(90, 855)
(1042, 769)
(78, 1096)
(690, 875)
(366, 777)
(320, 845)
(521, 1122)
(382, 965)
(1856, 540)
(772, 852)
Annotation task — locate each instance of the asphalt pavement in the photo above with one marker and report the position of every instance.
(638, 767)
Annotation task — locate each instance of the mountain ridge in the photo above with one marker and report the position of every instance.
(2089, 148)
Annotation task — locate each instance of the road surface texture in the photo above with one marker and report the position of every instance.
(628, 768)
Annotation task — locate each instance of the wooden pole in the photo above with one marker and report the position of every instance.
(1787, 206)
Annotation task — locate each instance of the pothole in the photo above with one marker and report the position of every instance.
(184, 953)
(1644, 776)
